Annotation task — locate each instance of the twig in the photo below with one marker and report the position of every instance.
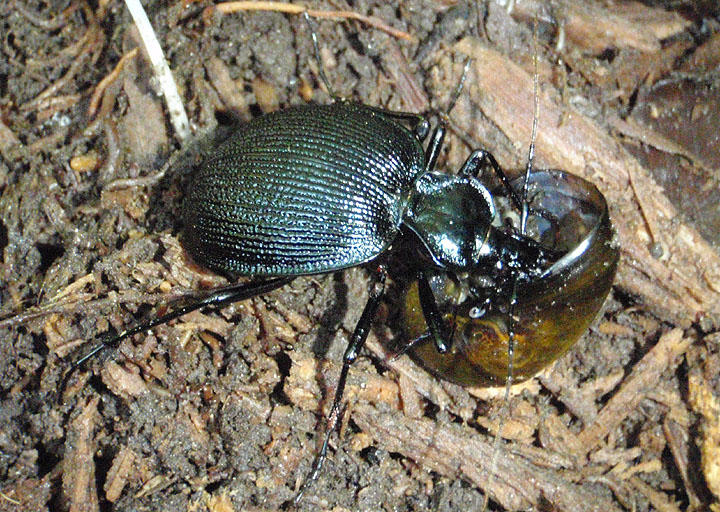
(176, 110)
(144, 181)
(8, 498)
(105, 82)
(230, 7)
(93, 35)
(41, 99)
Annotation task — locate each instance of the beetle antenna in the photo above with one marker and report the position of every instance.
(504, 412)
(316, 48)
(533, 135)
(459, 87)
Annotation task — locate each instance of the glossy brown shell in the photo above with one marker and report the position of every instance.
(551, 313)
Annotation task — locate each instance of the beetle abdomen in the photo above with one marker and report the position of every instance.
(306, 190)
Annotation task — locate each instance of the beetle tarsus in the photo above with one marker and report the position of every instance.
(216, 298)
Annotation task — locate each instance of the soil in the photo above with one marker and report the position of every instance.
(225, 410)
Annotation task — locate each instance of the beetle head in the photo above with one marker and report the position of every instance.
(452, 216)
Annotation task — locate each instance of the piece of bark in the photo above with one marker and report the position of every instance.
(659, 500)
(123, 381)
(227, 88)
(458, 402)
(706, 56)
(595, 26)
(704, 400)
(678, 439)
(414, 96)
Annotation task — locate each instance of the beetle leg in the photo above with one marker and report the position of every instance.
(357, 341)
(478, 160)
(419, 125)
(220, 297)
(316, 48)
(432, 315)
(438, 136)
(433, 148)
(427, 299)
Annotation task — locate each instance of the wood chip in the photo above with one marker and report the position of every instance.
(643, 378)
(123, 380)
(117, 476)
(658, 500)
(79, 487)
(458, 451)
(705, 401)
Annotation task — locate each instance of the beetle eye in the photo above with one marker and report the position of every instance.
(476, 312)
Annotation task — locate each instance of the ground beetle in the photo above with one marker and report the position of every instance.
(320, 188)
